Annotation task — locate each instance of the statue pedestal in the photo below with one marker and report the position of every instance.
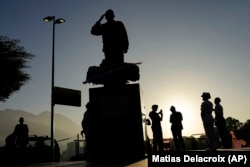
(117, 132)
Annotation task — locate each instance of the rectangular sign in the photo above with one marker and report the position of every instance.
(66, 96)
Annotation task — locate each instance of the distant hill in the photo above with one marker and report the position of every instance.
(38, 125)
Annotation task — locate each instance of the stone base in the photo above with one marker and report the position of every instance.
(116, 124)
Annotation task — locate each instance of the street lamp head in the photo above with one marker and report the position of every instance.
(59, 21)
(48, 18)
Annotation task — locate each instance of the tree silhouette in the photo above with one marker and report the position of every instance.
(241, 130)
(233, 124)
(13, 59)
(245, 131)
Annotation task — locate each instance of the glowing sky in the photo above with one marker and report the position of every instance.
(186, 46)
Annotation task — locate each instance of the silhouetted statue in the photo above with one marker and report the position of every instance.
(208, 120)
(176, 128)
(156, 119)
(22, 133)
(114, 37)
(113, 70)
(86, 129)
(220, 123)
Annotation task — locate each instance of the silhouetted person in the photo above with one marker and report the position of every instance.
(86, 129)
(176, 128)
(148, 145)
(220, 123)
(208, 120)
(22, 133)
(114, 37)
(156, 119)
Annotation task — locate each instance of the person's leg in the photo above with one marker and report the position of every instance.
(209, 129)
(181, 141)
(176, 141)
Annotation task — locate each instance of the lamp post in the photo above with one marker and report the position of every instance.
(55, 21)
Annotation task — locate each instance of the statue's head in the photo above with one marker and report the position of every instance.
(109, 15)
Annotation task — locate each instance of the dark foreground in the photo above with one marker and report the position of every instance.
(141, 163)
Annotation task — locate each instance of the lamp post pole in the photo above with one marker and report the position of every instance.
(52, 90)
(58, 21)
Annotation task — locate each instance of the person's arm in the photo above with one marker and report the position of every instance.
(181, 118)
(27, 128)
(96, 29)
(125, 38)
(171, 119)
(161, 115)
(15, 130)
